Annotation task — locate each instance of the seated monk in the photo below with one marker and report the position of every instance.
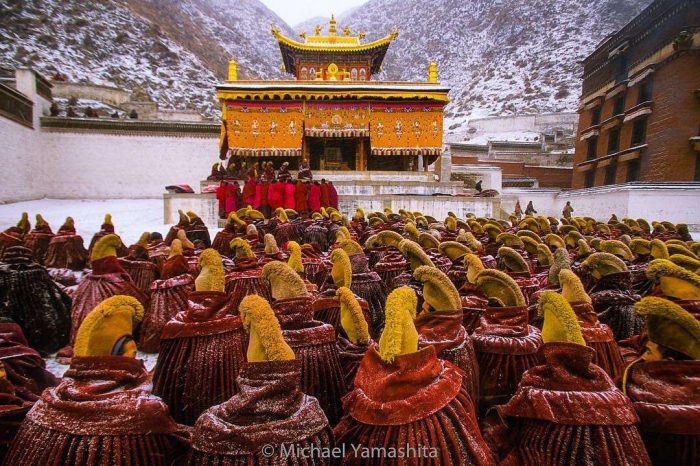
(38, 239)
(270, 410)
(474, 301)
(505, 344)
(244, 278)
(385, 257)
(23, 367)
(66, 249)
(597, 335)
(201, 348)
(514, 264)
(363, 282)
(103, 408)
(12, 412)
(14, 236)
(234, 228)
(408, 398)
(305, 261)
(107, 228)
(30, 299)
(197, 229)
(285, 229)
(676, 284)
(183, 223)
(138, 265)
(612, 296)
(168, 298)
(566, 411)
(326, 306)
(440, 324)
(107, 278)
(663, 383)
(313, 342)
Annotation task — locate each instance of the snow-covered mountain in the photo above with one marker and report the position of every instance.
(498, 56)
(175, 50)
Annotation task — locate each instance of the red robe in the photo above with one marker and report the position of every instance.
(314, 199)
(301, 192)
(249, 193)
(201, 351)
(289, 193)
(103, 409)
(107, 279)
(271, 409)
(666, 397)
(227, 196)
(332, 196)
(417, 401)
(565, 412)
(276, 195)
(325, 198)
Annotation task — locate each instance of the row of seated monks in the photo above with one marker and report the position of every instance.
(385, 338)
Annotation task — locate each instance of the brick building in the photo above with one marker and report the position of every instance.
(640, 106)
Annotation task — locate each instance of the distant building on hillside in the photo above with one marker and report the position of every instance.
(530, 150)
(640, 105)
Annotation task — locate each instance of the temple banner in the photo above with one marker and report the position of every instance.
(406, 129)
(337, 119)
(264, 129)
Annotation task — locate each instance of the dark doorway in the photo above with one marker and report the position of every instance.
(332, 154)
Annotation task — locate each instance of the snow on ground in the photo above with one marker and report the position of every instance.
(131, 217)
(511, 136)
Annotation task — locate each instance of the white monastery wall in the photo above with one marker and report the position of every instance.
(24, 163)
(102, 166)
(525, 122)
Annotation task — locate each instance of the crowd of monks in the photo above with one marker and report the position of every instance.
(384, 338)
(266, 189)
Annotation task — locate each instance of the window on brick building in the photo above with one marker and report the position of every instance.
(633, 170)
(592, 151)
(610, 172)
(644, 91)
(614, 141)
(595, 116)
(619, 104)
(589, 179)
(639, 132)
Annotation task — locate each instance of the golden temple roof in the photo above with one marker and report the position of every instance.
(333, 42)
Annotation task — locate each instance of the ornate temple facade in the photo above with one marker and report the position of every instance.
(333, 114)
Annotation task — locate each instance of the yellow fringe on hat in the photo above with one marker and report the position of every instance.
(438, 291)
(512, 259)
(670, 325)
(544, 255)
(411, 230)
(283, 281)
(105, 247)
(496, 284)
(571, 287)
(414, 254)
(351, 317)
(211, 276)
(560, 322)
(295, 259)
(112, 319)
(266, 342)
(40, 222)
(241, 248)
(341, 272)
(675, 281)
(399, 336)
(453, 249)
(617, 248)
(428, 241)
(602, 264)
(351, 247)
(186, 243)
(270, 244)
(474, 266)
(175, 248)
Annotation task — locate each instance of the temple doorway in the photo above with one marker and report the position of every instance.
(332, 154)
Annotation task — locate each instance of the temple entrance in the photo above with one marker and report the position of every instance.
(333, 154)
